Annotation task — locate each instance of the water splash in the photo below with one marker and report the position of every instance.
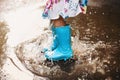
(28, 36)
(87, 55)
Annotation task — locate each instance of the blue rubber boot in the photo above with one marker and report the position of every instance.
(63, 50)
(54, 43)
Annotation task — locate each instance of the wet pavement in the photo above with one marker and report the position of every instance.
(3, 32)
(96, 45)
(101, 24)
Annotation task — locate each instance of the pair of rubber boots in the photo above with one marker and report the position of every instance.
(61, 46)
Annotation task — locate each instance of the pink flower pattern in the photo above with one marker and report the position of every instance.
(71, 6)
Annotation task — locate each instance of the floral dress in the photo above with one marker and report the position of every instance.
(64, 8)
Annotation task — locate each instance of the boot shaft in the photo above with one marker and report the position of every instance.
(63, 36)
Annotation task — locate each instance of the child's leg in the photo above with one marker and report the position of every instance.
(58, 22)
(63, 50)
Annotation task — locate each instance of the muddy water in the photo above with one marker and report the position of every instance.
(95, 41)
(3, 32)
(101, 24)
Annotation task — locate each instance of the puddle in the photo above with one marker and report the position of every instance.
(24, 34)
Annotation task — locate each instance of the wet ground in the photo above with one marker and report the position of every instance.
(99, 30)
(102, 24)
